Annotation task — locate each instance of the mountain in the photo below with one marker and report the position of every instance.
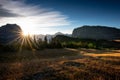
(96, 32)
(58, 33)
(49, 37)
(9, 33)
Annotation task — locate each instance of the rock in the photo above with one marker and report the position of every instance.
(97, 33)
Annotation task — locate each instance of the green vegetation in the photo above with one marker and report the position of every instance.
(60, 41)
(71, 42)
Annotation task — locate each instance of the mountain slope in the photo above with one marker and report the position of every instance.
(9, 33)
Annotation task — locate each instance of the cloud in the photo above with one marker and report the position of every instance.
(6, 13)
(30, 16)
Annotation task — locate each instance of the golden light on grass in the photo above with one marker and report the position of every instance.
(105, 54)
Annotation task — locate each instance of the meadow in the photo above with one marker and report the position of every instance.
(60, 64)
(45, 40)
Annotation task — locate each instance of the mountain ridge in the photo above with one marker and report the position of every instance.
(96, 32)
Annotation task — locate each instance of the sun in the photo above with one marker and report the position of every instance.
(27, 30)
(25, 33)
(29, 26)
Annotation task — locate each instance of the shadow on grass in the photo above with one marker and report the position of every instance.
(72, 70)
(57, 64)
(31, 55)
(48, 73)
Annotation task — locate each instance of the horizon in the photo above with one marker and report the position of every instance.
(49, 17)
(57, 33)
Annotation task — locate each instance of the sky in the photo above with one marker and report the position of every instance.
(51, 16)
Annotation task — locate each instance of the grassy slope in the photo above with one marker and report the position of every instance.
(60, 64)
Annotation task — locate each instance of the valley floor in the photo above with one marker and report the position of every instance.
(61, 64)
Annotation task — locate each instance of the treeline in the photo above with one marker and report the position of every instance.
(60, 41)
(30, 43)
(70, 42)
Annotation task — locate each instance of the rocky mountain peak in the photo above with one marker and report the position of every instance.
(9, 32)
(96, 32)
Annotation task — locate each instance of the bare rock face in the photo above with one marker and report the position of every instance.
(96, 32)
(9, 33)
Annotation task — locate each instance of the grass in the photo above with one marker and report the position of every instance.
(102, 53)
(33, 55)
(61, 64)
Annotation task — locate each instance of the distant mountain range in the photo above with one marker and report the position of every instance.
(49, 37)
(11, 32)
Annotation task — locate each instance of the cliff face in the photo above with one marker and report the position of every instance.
(96, 32)
(9, 33)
